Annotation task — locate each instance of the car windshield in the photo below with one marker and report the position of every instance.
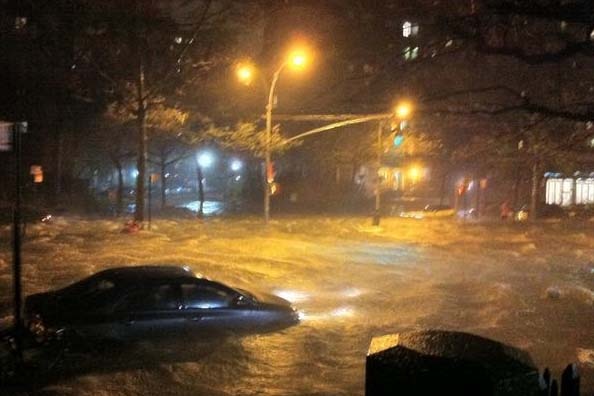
(357, 181)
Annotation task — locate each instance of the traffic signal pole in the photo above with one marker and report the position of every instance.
(378, 182)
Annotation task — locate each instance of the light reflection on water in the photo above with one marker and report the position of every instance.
(209, 208)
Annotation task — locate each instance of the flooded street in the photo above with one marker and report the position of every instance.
(528, 287)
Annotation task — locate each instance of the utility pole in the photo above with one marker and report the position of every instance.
(378, 182)
(16, 248)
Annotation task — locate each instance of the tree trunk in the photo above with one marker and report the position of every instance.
(163, 185)
(535, 190)
(142, 143)
(120, 191)
(141, 167)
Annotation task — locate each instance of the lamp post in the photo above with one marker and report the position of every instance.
(203, 160)
(245, 73)
(401, 112)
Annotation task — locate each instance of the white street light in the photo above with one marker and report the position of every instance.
(236, 165)
(205, 159)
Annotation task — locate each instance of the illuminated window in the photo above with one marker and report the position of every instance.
(584, 191)
(406, 29)
(567, 192)
(554, 191)
(20, 23)
(411, 53)
(409, 30)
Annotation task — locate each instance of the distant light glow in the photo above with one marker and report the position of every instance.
(167, 175)
(236, 165)
(237, 177)
(205, 159)
(414, 173)
(134, 173)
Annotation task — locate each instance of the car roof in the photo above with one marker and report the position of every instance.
(147, 272)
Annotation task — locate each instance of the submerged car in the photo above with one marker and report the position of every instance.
(153, 301)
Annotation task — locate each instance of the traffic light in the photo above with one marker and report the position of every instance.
(270, 172)
(397, 127)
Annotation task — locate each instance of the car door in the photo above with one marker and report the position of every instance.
(210, 307)
(150, 311)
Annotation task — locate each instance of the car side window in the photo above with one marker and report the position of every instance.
(206, 296)
(156, 298)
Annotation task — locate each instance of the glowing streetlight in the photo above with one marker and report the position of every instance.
(236, 165)
(403, 110)
(245, 73)
(298, 58)
(205, 159)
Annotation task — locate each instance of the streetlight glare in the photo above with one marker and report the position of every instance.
(236, 165)
(403, 110)
(245, 73)
(205, 159)
(414, 172)
(298, 59)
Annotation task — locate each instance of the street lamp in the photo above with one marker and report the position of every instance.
(402, 111)
(203, 160)
(245, 73)
(236, 165)
(297, 59)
